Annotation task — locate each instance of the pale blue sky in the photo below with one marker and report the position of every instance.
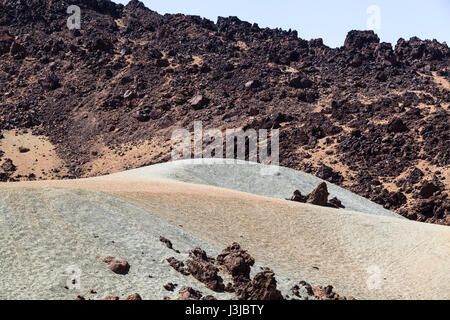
(327, 19)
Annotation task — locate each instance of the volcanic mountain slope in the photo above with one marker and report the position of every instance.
(368, 116)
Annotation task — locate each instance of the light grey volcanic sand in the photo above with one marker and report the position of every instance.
(48, 226)
(267, 181)
(44, 232)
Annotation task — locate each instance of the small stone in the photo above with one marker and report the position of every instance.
(134, 296)
(199, 101)
(252, 84)
(119, 266)
(189, 293)
(169, 286)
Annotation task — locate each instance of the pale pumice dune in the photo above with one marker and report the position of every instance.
(362, 255)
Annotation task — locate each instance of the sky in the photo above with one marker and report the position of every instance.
(326, 19)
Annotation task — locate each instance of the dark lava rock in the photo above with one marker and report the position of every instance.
(298, 197)
(300, 82)
(5, 42)
(119, 266)
(428, 189)
(188, 293)
(414, 176)
(319, 292)
(134, 296)
(319, 196)
(50, 82)
(168, 243)
(335, 202)
(327, 293)
(142, 116)
(199, 101)
(237, 261)
(169, 286)
(17, 50)
(381, 76)
(262, 287)
(23, 150)
(358, 39)
(8, 166)
(201, 268)
(253, 84)
(178, 265)
(327, 173)
(397, 125)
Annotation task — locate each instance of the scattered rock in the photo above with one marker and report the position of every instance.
(187, 293)
(203, 270)
(169, 286)
(8, 166)
(262, 287)
(178, 265)
(397, 125)
(253, 84)
(237, 261)
(428, 189)
(168, 243)
(134, 296)
(119, 266)
(335, 202)
(199, 101)
(300, 82)
(327, 293)
(298, 197)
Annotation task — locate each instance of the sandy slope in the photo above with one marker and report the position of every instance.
(299, 241)
(268, 181)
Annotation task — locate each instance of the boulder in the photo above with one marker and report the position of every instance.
(119, 266)
(319, 196)
(203, 270)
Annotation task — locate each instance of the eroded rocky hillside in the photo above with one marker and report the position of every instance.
(369, 116)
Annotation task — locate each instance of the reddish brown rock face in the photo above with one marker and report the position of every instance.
(237, 261)
(319, 196)
(262, 287)
(201, 268)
